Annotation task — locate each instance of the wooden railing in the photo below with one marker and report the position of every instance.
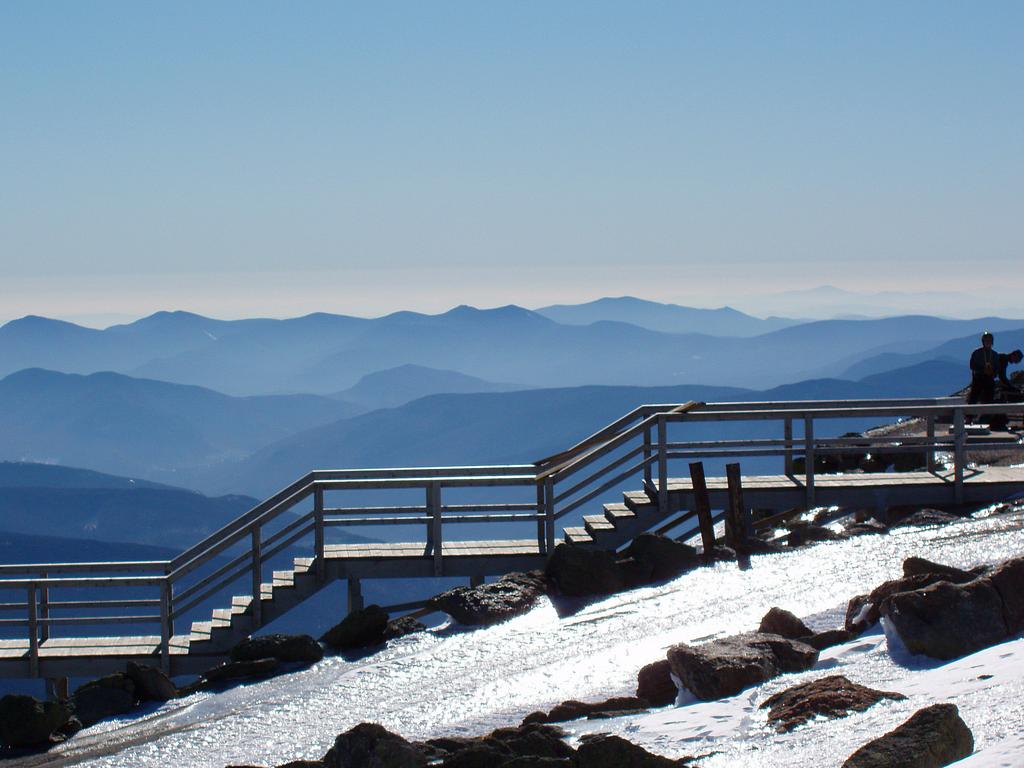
(636, 446)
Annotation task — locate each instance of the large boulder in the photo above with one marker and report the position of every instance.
(779, 621)
(511, 595)
(242, 670)
(151, 684)
(103, 698)
(827, 638)
(805, 533)
(863, 610)
(947, 620)
(662, 557)
(369, 745)
(1008, 580)
(28, 722)
(605, 750)
(402, 626)
(725, 667)
(530, 744)
(580, 572)
(286, 648)
(833, 696)
(932, 737)
(914, 566)
(574, 710)
(654, 683)
(357, 630)
(923, 517)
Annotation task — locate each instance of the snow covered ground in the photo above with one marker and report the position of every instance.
(466, 682)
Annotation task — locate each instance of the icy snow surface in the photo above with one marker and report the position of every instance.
(453, 682)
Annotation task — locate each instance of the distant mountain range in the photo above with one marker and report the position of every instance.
(327, 354)
(397, 386)
(956, 351)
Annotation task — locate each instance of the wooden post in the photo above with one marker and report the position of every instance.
(662, 466)
(257, 578)
(809, 458)
(355, 595)
(434, 509)
(702, 506)
(476, 581)
(960, 454)
(735, 522)
(318, 533)
(647, 455)
(930, 422)
(57, 688)
(165, 626)
(33, 633)
(542, 539)
(549, 511)
(787, 435)
(44, 610)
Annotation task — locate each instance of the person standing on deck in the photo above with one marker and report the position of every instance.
(984, 364)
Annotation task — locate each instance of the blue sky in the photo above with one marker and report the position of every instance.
(271, 158)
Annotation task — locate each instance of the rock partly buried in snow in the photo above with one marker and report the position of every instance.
(402, 626)
(28, 722)
(654, 683)
(1008, 580)
(866, 527)
(605, 750)
(932, 737)
(528, 745)
(359, 629)
(927, 517)
(863, 610)
(725, 667)
(511, 595)
(662, 557)
(812, 534)
(831, 697)
(822, 640)
(580, 572)
(286, 648)
(914, 566)
(151, 684)
(369, 745)
(946, 620)
(574, 710)
(242, 670)
(779, 621)
(105, 697)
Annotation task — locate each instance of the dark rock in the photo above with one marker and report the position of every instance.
(654, 683)
(358, 630)
(720, 554)
(604, 750)
(932, 737)
(69, 729)
(947, 620)
(914, 566)
(725, 667)
(529, 761)
(103, 698)
(779, 621)
(287, 648)
(755, 546)
(832, 697)
(28, 722)
(633, 573)
(1008, 580)
(369, 745)
(478, 755)
(665, 557)
(861, 613)
(150, 683)
(241, 670)
(535, 739)
(303, 764)
(809, 534)
(828, 638)
(866, 527)
(574, 710)
(927, 517)
(402, 626)
(511, 595)
(578, 572)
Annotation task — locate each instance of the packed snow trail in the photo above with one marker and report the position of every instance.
(466, 682)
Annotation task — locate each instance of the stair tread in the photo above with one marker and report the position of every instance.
(576, 535)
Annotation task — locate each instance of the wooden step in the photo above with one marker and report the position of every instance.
(596, 524)
(615, 513)
(637, 500)
(578, 536)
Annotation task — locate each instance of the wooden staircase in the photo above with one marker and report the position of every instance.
(619, 523)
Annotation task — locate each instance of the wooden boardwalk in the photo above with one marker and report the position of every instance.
(637, 449)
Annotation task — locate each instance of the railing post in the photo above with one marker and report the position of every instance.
(959, 454)
(44, 609)
(930, 423)
(787, 435)
(257, 578)
(33, 633)
(318, 533)
(355, 595)
(436, 535)
(662, 466)
(809, 458)
(541, 517)
(549, 512)
(735, 519)
(165, 626)
(647, 455)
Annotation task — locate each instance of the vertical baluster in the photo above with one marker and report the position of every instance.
(647, 455)
(662, 466)
(33, 632)
(960, 454)
(788, 437)
(549, 512)
(165, 626)
(44, 609)
(809, 458)
(318, 533)
(257, 577)
(542, 516)
(434, 505)
(930, 422)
